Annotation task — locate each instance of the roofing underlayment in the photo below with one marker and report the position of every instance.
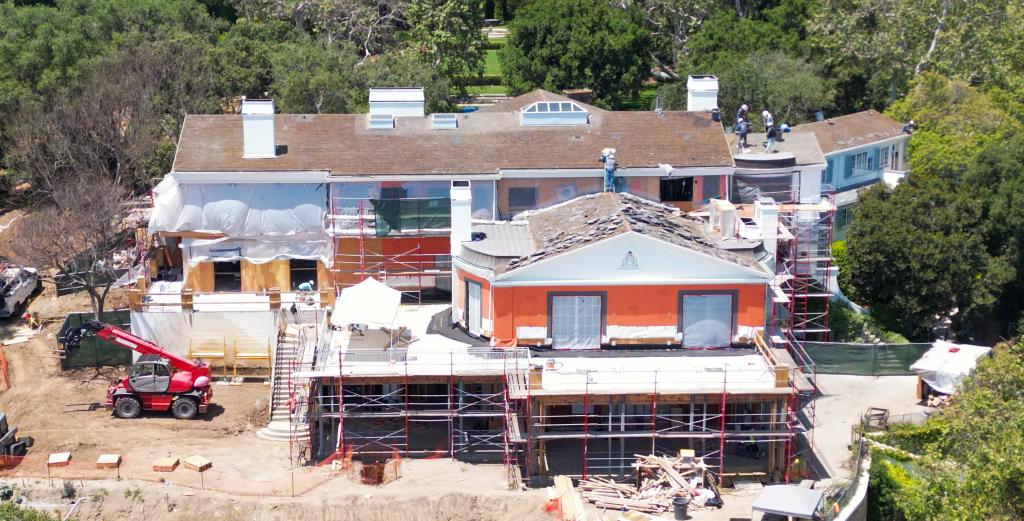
(852, 130)
(592, 218)
(483, 143)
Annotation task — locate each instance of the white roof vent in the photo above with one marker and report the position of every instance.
(444, 121)
(555, 113)
(701, 93)
(381, 122)
(398, 102)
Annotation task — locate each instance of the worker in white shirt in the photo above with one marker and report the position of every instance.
(769, 129)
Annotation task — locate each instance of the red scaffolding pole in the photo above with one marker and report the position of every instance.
(721, 453)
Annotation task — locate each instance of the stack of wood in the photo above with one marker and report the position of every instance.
(659, 480)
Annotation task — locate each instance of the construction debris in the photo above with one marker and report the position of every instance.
(659, 480)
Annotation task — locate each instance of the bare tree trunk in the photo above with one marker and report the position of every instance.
(935, 39)
(739, 7)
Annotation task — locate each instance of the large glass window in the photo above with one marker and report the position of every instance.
(576, 321)
(707, 320)
(483, 199)
(679, 189)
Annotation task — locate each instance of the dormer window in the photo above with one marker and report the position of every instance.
(555, 113)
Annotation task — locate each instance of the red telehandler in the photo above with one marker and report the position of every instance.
(157, 381)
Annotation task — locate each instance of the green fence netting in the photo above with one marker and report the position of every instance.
(396, 215)
(94, 351)
(864, 359)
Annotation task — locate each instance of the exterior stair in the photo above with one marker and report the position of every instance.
(281, 427)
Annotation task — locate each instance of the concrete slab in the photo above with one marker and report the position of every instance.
(845, 398)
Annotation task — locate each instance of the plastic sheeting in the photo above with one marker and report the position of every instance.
(788, 500)
(239, 210)
(258, 251)
(864, 359)
(172, 330)
(370, 302)
(946, 363)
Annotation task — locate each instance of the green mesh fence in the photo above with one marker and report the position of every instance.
(396, 215)
(864, 359)
(94, 351)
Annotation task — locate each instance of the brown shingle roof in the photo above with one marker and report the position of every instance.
(483, 143)
(589, 219)
(851, 130)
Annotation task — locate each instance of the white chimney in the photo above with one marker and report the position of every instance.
(722, 218)
(766, 214)
(701, 93)
(258, 128)
(397, 102)
(462, 216)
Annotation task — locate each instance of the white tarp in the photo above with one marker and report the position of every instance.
(172, 330)
(258, 251)
(788, 500)
(370, 302)
(239, 210)
(946, 363)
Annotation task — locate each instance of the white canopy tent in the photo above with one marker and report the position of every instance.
(788, 500)
(945, 364)
(370, 302)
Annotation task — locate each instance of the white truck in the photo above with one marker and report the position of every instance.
(17, 284)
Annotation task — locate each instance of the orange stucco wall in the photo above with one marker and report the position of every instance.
(626, 305)
(394, 254)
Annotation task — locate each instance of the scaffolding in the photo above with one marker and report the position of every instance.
(361, 229)
(586, 431)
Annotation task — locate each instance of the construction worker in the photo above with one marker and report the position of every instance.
(769, 129)
(308, 286)
(33, 322)
(741, 114)
(742, 128)
(908, 128)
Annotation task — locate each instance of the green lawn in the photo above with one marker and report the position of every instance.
(486, 89)
(646, 100)
(492, 63)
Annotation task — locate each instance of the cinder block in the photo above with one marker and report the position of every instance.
(59, 459)
(167, 464)
(108, 461)
(197, 463)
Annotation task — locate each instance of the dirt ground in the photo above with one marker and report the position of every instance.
(250, 479)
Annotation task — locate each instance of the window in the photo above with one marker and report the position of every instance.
(381, 122)
(483, 199)
(707, 319)
(886, 157)
(555, 113)
(444, 121)
(300, 271)
(576, 321)
(474, 307)
(857, 164)
(894, 162)
(678, 189)
(522, 198)
(710, 187)
(829, 175)
(227, 276)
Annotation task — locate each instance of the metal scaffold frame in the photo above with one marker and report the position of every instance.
(411, 271)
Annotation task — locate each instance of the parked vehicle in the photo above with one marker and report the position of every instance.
(17, 284)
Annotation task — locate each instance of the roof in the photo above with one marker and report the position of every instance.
(589, 219)
(851, 130)
(483, 143)
(788, 500)
(803, 148)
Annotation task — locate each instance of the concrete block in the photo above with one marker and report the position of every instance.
(197, 463)
(108, 461)
(59, 459)
(167, 464)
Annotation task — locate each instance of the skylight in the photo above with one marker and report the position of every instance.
(444, 121)
(555, 113)
(381, 122)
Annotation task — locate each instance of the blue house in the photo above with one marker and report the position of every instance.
(860, 149)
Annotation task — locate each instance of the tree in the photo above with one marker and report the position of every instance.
(315, 77)
(448, 33)
(80, 234)
(10, 511)
(125, 135)
(561, 44)
(672, 23)
(244, 56)
(790, 88)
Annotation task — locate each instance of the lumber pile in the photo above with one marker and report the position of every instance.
(659, 480)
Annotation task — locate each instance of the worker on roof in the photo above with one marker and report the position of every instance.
(908, 127)
(742, 128)
(741, 114)
(769, 129)
(307, 286)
